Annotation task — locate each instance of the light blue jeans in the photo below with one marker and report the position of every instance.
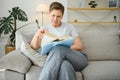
(62, 63)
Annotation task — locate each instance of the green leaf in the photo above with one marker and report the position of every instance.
(6, 25)
(19, 14)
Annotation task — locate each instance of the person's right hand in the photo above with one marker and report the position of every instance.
(40, 33)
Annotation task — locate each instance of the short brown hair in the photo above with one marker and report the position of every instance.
(56, 6)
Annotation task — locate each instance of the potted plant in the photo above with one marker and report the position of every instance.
(8, 24)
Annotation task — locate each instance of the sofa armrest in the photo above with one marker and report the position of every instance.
(15, 61)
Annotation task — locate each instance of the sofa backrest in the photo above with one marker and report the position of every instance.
(101, 43)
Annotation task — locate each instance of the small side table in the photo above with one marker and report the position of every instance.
(9, 48)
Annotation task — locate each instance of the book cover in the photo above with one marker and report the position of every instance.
(50, 40)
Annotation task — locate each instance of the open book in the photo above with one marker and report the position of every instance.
(50, 40)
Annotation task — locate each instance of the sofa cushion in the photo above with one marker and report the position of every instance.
(102, 70)
(101, 43)
(33, 55)
(11, 75)
(15, 61)
(79, 76)
(33, 73)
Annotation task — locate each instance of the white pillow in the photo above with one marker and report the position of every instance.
(33, 55)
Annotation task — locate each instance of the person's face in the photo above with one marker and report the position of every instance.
(55, 17)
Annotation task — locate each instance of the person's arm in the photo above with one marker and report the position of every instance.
(36, 41)
(77, 45)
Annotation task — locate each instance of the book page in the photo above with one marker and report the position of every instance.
(49, 37)
(65, 37)
(57, 38)
(46, 39)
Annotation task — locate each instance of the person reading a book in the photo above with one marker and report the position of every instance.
(62, 62)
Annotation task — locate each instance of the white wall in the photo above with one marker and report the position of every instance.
(92, 15)
(29, 7)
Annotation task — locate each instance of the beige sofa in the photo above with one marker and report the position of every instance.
(101, 44)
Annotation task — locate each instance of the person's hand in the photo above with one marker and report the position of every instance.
(40, 33)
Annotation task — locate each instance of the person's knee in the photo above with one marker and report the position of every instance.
(55, 50)
(58, 52)
(58, 49)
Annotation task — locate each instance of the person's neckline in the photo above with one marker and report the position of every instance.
(57, 26)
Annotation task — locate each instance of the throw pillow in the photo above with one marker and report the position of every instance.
(33, 55)
(15, 61)
(27, 37)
